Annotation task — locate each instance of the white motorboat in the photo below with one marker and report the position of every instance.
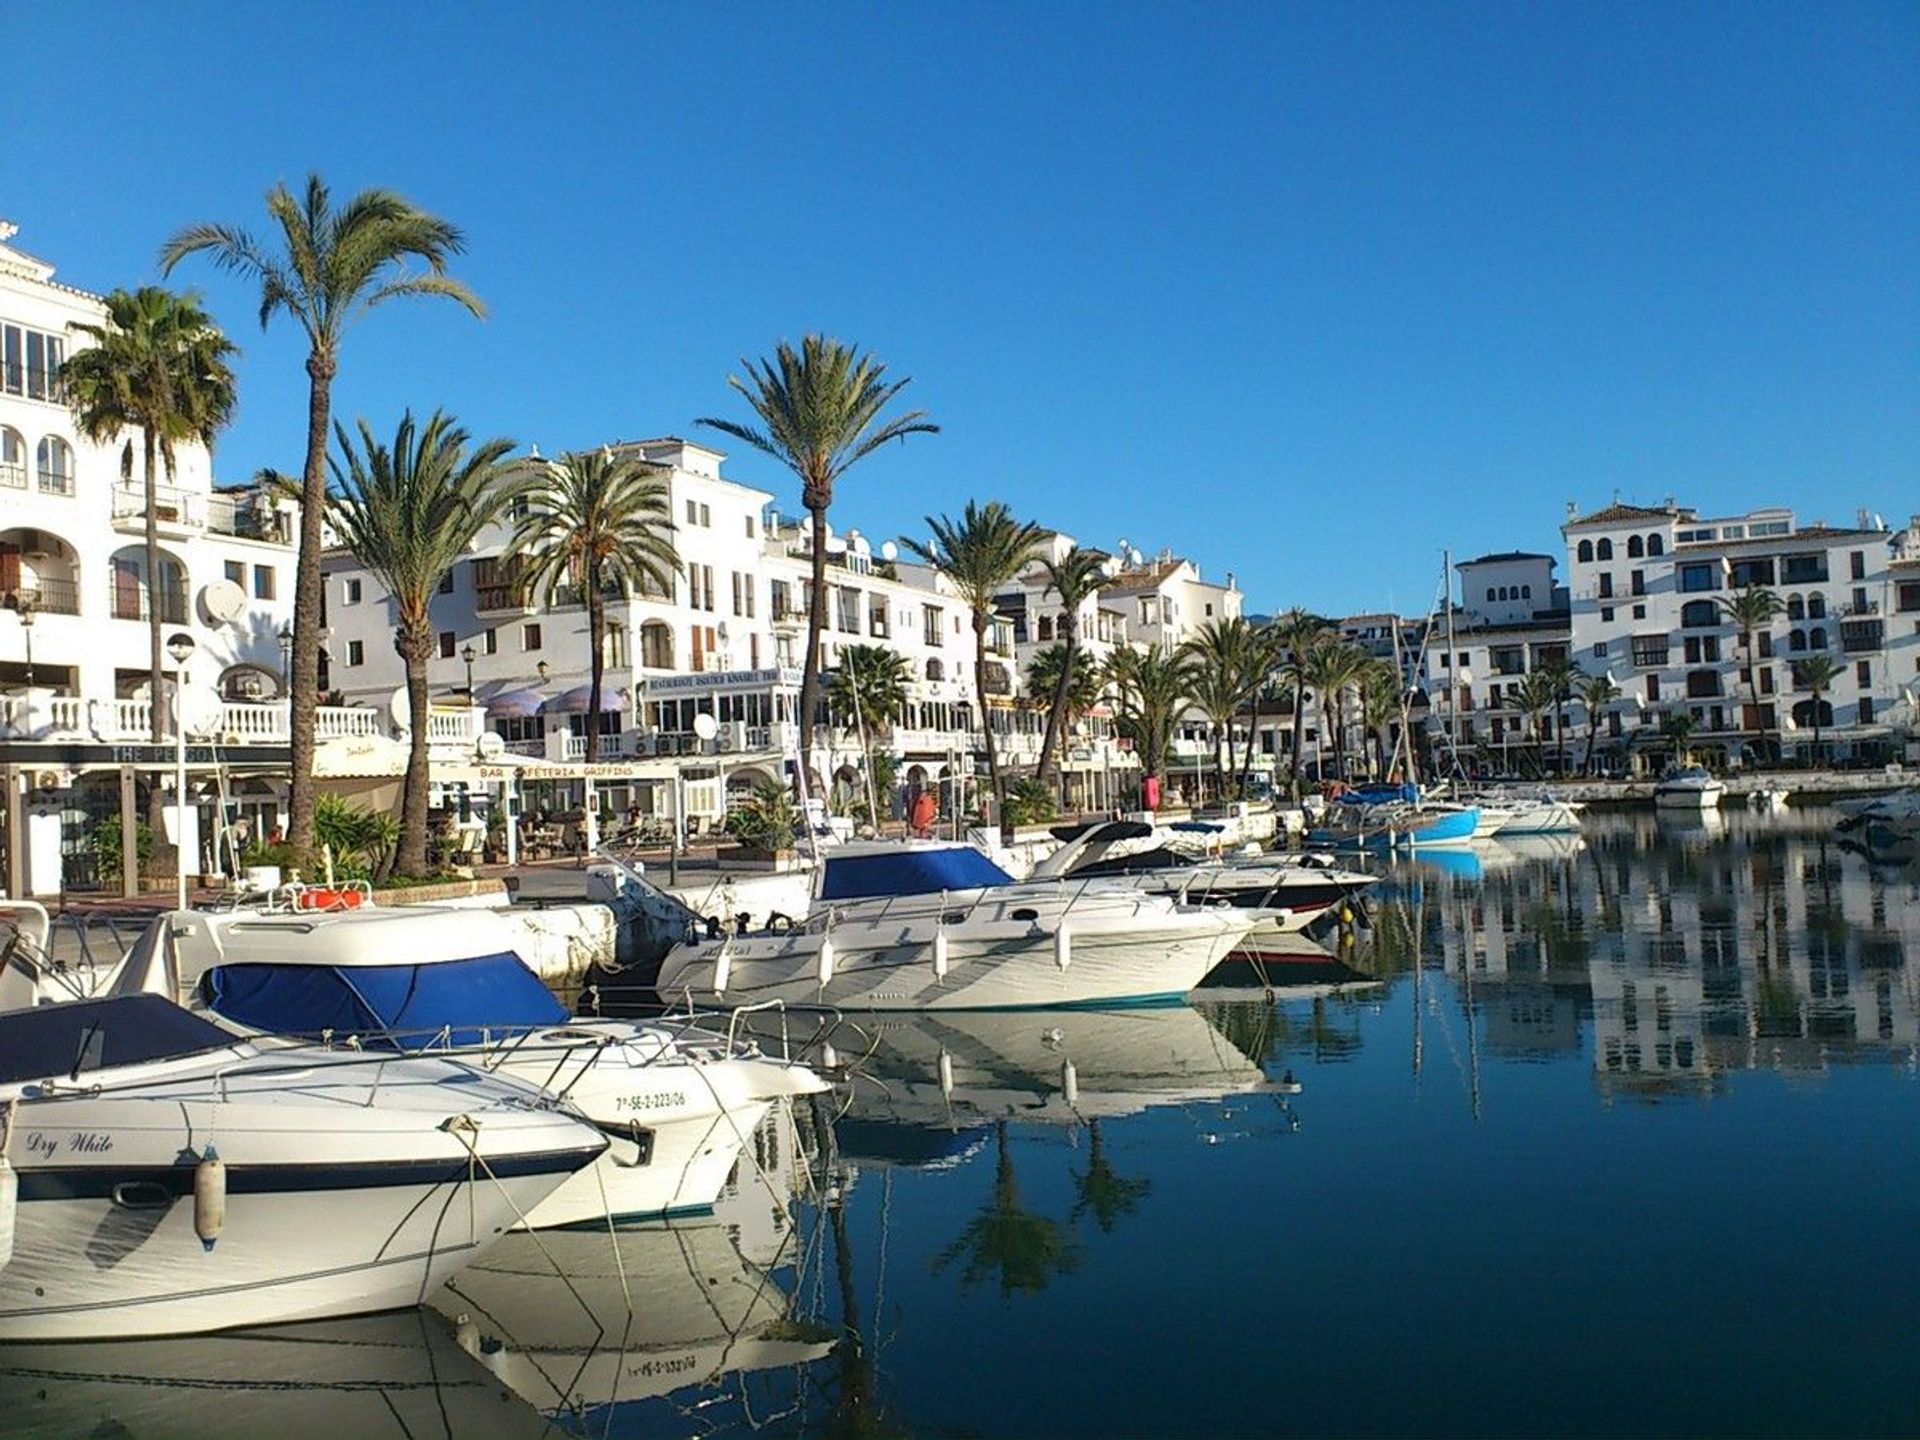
(678, 1105)
(1691, 787)
(400, 1375)
(1538, 815)
(170, 1179)
(923, 925)
(1287, 892)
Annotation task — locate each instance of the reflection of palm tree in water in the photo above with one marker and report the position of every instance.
(857, 1410)
(1023, 1249)
(1108, 1195)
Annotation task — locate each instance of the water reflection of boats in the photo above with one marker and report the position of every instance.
(581, 1322)
(1687, 825)
(398, 1374)
(1538, 847)
(1289, 965)
(918, 1083)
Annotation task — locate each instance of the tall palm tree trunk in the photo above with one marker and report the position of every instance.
(305, 684)
(1051, 742)
(596, 662)
(414, 642)
(155, 643)
(816, 623)
(1593, 742)
(1253, 735)
(986, 717)
(1299, 734)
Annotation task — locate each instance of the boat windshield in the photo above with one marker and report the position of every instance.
(411, 1007)
(86, 1035)
(909, 872)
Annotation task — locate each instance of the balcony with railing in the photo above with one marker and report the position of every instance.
(44, 597)
(130, 602)
(70, 718)
(1862, 634)
(176, 512)
(247, 515)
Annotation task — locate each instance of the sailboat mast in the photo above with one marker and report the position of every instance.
(1452, 666)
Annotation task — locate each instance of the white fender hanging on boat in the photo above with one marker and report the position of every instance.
(1063, 946)
(723, 968)
(209, 1197)
(9, 1188)
(939, 953)
(946, 1072)
(1070, 1083)
(826, 961)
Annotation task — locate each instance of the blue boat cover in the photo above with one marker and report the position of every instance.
(909, 872)
(51, 1040)
(407, 1005)
(1382, 795)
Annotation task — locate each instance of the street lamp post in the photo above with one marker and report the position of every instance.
(285, 635)
(180, 646)
(469, 655)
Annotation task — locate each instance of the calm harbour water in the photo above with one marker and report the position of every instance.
(1633, 1148)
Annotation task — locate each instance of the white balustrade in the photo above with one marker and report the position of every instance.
(334, 722)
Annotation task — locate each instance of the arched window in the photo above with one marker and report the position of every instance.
(1655, 545)
(1696, 613)
(1603, 551)
(935, 670)
(1046, 627)
(1585, 552)
(13, 460)
(656, 645)
(1489, 594)
(1817, 638)
(1816, 606)
(53, 463)
(1526, 592)
(1635, 547)
(1797, 640)
(1796, 608)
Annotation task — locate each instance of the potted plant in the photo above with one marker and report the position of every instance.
(765, 826)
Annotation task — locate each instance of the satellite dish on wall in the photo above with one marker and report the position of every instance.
(400, 707)
(492, 747)
(223, 602)
(203, 712)
(705, 726)
(889, 551)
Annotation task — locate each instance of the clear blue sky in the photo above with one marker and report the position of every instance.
(1306, 292)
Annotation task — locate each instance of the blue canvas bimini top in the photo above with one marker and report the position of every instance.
(408, 1006)
(909, 872)
(51, 1040)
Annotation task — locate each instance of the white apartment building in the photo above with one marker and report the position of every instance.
(1648, 590)
(74, 638)
(1510, 620)
(727, 641)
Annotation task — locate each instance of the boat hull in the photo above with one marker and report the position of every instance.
(889, 965)
(1689, 797)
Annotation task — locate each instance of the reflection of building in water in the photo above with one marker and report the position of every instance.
(1768, 947)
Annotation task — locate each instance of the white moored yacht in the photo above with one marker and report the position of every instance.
(160, 1177)
(1287, 893)
(1691, 787)
(677, 1105)
(923, 925)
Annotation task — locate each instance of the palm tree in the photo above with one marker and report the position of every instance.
(1816, 675)
(1227, 664)
(1022, 1249)
(1678, 727)
(1076, 577)
(1559, 676)
(1596, 693)
(1535, 696)
(158, 365)
(1381, 692)
(1153, 688)
(1295, 634)
(1751, 608)
(1076, 689)
(596, 523)
(409, 513)
(336, 265)
(1330, 667)
(1265, 660)
(819, 411)
(869, 686)
(981, 553)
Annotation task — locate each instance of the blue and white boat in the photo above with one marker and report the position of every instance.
(678, 1107)
(925, 925)
(1392, 817)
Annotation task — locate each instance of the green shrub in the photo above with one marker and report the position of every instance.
(1029, 801)
(768, 821)
(107, 841)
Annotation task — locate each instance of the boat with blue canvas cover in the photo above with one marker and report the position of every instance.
(930, 925)
(678, 1105)
(169, 1178)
